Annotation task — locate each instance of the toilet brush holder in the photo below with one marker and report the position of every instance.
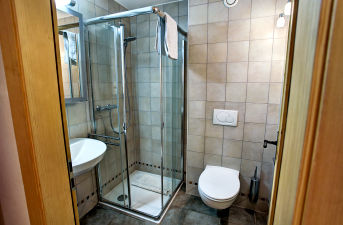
(254, 188)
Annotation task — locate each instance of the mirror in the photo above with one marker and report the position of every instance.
(72, 53)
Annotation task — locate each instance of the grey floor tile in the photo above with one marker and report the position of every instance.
(183, 200)
(261, 218)
(199, 206)
(193, 218)
(98, 216)
(174, 216)
(241, 216)
(125, 220)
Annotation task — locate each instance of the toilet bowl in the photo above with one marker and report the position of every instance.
(219, 186)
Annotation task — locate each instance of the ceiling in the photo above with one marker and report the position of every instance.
(61, 14)
(135, 4)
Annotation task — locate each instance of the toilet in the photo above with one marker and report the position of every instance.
(219, 186)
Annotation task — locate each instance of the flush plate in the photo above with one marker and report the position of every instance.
(225, 117)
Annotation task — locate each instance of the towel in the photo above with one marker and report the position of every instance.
(69, 47)
(170, 37)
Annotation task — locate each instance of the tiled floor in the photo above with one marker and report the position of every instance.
(186, 209)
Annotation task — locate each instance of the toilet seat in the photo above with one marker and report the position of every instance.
(219, 184)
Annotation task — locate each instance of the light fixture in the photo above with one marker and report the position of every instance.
(288, 8)
(281, 21)
(65, 2)
(230, 3)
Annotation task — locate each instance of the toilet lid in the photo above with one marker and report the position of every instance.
(219, 183)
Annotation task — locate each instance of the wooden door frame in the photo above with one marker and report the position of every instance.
(29, 44)
(313, 114)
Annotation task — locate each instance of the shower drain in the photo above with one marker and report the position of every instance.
(121, 198)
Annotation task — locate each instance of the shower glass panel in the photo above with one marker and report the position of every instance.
(172, 107)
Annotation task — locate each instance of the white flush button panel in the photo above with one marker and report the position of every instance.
(225, 117)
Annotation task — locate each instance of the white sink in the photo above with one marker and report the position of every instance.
(85, 154)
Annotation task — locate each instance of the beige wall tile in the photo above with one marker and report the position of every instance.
(256, 113)
(239, 30)
(216, 72)
(234, 133)
(240, 107)
(261, 50)
(210, 106)
(197, 109)
(259, 71)
(79, 131)
(271, 132)
(197, 2)
(216, 92)
(241, 10)
(232, 148)
(279, 49)
(197, 15)
(195, 159)
(238, 51)
(262, 28)
(273, 114)
(213, 130)
(196, 126)
(269, 153)
(217, 52)
(198, 54)
(197, 73)
(248, 168)
(76, 113)
(217, 32)
(237, 72)
(277, 72)
(236, 92)
(194, 173)
(257, 92)
(254, 132)
(212, 160)
(217, 12)
(252, 151)
(196, 143)
(232, 163)
(265, 189)
(275, 93)
(197, 34)
(213, 146)
(267, 171)
(262, 8)
(197, 91)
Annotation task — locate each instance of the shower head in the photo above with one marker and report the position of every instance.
(129, 39)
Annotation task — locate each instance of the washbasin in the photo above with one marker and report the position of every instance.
(85, 154)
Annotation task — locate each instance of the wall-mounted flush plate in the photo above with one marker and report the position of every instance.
(230, 3)
(225, 117)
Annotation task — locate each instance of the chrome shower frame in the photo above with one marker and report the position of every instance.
(120, 30)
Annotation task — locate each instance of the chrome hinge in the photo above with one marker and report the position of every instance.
(71, 176)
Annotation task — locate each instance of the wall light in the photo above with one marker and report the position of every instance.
(65, 2)
(281, 21)
(288, 8)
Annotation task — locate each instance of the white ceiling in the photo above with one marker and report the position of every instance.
(135, 4)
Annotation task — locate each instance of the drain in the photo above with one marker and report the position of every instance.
(121, 198)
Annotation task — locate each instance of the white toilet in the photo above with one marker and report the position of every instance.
(219, 186)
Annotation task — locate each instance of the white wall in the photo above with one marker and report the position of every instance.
(12, 196)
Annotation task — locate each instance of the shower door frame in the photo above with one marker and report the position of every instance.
(128, 209)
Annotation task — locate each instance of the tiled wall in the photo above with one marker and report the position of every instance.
(146, 88)
(236, 62)
(104, 85)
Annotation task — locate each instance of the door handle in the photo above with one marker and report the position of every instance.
(266, 142)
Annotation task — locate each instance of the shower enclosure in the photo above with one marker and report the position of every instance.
(137, 103)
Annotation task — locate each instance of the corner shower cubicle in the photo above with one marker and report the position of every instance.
(137, 105)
